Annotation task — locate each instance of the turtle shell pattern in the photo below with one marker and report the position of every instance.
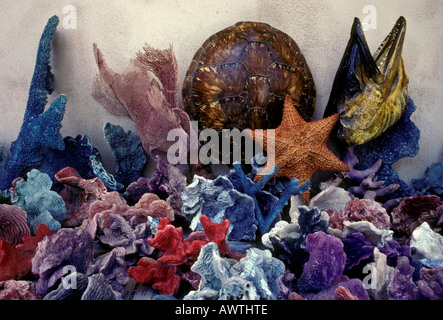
(240, 76)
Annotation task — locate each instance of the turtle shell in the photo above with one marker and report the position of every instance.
(240, 76)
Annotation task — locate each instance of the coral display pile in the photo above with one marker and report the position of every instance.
(71, 230)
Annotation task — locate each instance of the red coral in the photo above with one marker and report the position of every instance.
(164, 278)
(16, 262)
(169, 240)
(342, 293)
(178, 253)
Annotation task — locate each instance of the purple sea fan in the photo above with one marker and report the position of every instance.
(136, 94)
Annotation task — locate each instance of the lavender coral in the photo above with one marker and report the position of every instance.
(52, 259)
(40, 128)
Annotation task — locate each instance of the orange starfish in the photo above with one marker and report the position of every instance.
(298, 147)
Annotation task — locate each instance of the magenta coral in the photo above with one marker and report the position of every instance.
(16, 262)
(13, 224)
(78, 194)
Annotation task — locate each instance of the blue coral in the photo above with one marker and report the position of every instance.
(39, 129)
(128, 153)
(266, 218)
(433, 182)
(400, 141)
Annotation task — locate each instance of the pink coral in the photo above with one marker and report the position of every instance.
(18, 290)
(360, 210)
(16, 262)
(78, 194)
(148, 205)
(137, 95)
(13, 224)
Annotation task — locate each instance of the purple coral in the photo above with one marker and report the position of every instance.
(68, 248)
(326, 262)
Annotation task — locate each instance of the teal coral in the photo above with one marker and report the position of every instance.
(34, 195)
(39, 129)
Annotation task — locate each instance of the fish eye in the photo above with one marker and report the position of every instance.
(352, 87)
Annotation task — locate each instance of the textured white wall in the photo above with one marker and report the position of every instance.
(121, 27)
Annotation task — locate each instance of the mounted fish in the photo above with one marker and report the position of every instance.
(369, 92)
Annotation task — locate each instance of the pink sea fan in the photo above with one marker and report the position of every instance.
(13, 224)
(152, 106)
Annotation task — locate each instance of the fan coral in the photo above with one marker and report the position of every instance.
(40, 128)
(360, 210)
(13, 224)
(136, 94)
(78, 194)
(253, 277)
(400, 141)
(414, 210)
(15, 262)
(128, 153)
(53, 256)
(18, 290)
(42, 204)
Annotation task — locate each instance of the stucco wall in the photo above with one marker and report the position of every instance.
(121, 27)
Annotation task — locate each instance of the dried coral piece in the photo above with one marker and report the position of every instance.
(15, 262)
(78, 194)
(326, 262)
(414, 210)
(42, 204)
(361, 210)
(53, 256)
(13, 224)
(128, 153)
(18, 290)
(299, 147)
(40, 128)
(163, 277)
